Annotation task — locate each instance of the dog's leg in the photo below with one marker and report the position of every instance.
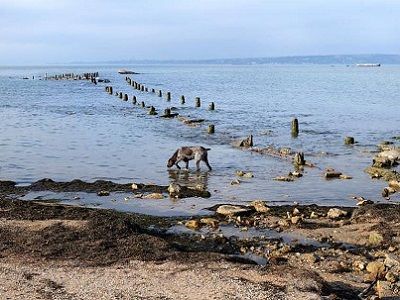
(176, 164)
(187, 165)
(208, 165)
(198, 165)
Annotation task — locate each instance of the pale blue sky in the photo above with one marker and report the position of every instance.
(57, 31)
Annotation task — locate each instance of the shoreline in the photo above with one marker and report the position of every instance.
(346, 254)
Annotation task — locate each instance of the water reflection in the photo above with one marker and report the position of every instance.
(194, 179)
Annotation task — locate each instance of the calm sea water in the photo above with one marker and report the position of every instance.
(73, 129)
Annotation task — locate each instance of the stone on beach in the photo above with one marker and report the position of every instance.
(336, 213)
(260, 206)
(244, 143)
(230, 210)
(192, 224)
(212, 222)
(154, 196)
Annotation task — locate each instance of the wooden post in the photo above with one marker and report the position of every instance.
(211, 106)
(134, 100)
(142, 88)
(182, 99)
(152, 111)
(159, 93)
(167, 112)
(168, 96)
(198, 103)
(211, 129)
(110, 90)
(142, 104)
(120, 95)
(153, 90)
(126, 97)
(146, 89)
(295, 127)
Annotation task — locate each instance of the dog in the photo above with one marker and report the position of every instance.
(186, 154)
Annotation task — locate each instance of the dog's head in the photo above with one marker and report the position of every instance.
(170, 162)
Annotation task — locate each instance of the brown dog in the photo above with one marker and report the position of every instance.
(188, 153)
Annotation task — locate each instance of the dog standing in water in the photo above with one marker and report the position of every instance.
(188, 153)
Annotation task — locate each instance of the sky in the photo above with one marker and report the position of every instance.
(63, 31)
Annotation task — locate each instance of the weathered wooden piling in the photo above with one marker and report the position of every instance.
(110, 90)
(153, 90)
(168, 96)
(134, 100)
(349, 140)
(142, 88)
(107, 89)
(211, 106)
(126, 97)
(142, 104)
(167, 112)
(211, 129)
(152, 111)
(146, 89)
(182, 99)
(295, 127)
(120, 95)
(198, 103)
(160, 93)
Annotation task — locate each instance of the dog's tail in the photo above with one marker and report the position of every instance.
(207, 149)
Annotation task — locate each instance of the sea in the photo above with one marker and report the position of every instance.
(73, 129)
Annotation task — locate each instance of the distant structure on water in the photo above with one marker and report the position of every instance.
(368, 65)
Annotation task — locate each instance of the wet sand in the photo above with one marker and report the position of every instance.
(53, 251)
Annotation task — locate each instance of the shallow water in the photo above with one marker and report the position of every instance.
(73, 129)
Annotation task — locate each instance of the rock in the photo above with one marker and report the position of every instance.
(174, 190)
(298, 159)
(296, 212)
(235, 182)
(154, 196)
(364, 202)
(177, 191)
(295, 174)
(244, 143)
(349, 140)
(391, 276)
(386, 174)
(335, 213)
(192, 224)
(244, 174)
(332, 174)
(260, 206)
(395, 184)
(314, 215)
(283, 178)
(387, 291)
(359, 265)
(376, 268)
(310, 258)
(212, 222)
(388, 191)
(383, 162)
(392, 260)
(343, 176)
(134, 186)
(230, 210)
(295, 220)
(103, 193)
(375, 238)
(283, 223)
